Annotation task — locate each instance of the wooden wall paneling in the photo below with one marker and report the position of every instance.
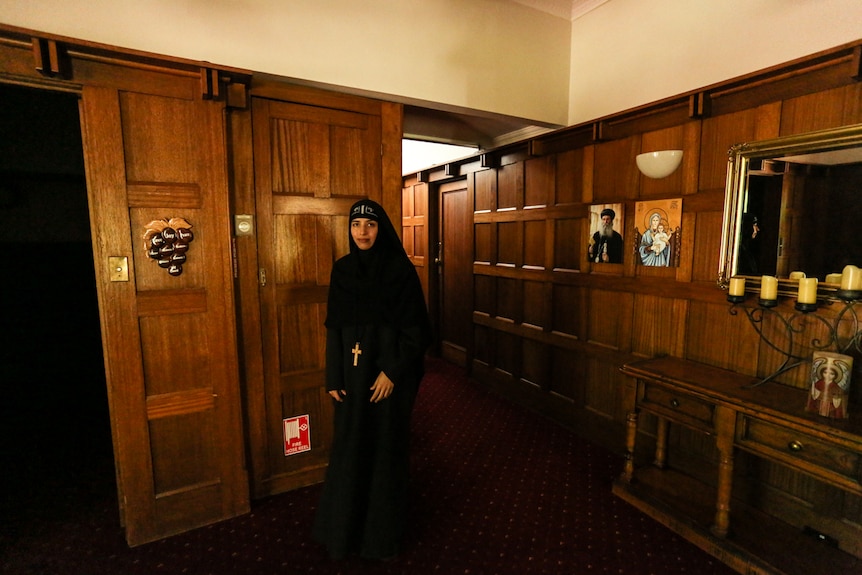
(615, 173)
(566, 383)
(510, 242)
(485, 195)
(483, 234)
(687, 253)
(566, 310)
(589, 169)
(736, 349)
(703, 254)
(721, 132)
(536, 305)
(568, 177)
(416, 233)
(510, 187)
(658, 326)
(817, 72)
(535, 243)
(569, 245)
(509, 293)
(609, 320)
(603, 391)
(655, 116)
(483, 346)
(484, 295)
(535, 364)
(539, 182)
(507, 356)
(821, 110)
(391, 132)
(691, 158)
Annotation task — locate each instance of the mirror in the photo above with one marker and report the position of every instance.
(793, 204)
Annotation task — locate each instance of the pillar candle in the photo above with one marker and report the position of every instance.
(769, 287)
(833, 278)
(851, 278)
(737, 286)
(797, 275)
(807, 290)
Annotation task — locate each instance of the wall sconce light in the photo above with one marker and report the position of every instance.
(659, 164)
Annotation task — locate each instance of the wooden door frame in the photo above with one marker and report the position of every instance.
(437, 226)
(95, 73)
(248, 257)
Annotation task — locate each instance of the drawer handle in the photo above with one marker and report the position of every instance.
(794, 446)
(674, 402)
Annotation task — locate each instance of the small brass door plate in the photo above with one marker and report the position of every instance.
(243, 225)
(118, 267)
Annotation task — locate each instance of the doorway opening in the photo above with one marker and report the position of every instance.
(55, 434)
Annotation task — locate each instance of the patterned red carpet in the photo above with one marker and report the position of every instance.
(497, 491)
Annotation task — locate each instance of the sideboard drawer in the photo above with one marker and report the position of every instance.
(677, 406)
(817, 456)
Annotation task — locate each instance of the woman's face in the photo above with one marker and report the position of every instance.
(364, 232)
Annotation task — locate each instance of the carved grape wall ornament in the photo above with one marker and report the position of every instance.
(167, 242)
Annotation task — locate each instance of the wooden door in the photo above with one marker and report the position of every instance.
(455, 271)
(152, 154)
(310, 163)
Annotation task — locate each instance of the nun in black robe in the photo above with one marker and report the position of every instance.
(376, 321)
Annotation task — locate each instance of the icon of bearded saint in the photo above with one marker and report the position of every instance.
(606, 244)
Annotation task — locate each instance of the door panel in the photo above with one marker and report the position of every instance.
(170, 349)
(456, 272)
(311, 164)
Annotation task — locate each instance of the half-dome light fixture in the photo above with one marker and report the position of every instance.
(659, 164)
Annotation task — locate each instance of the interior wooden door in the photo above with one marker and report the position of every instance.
(455, 269)
(310, 163)
(153, 155)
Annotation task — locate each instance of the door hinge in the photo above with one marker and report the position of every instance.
(261, 276)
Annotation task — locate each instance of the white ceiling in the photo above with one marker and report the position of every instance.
(568, 9)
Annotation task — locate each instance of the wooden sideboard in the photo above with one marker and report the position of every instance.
(768, 421)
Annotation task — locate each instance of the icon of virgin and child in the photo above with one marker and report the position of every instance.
(659, 243)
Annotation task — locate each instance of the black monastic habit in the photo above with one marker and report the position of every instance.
(376, 321)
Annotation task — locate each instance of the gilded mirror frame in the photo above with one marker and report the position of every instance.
(740, 157)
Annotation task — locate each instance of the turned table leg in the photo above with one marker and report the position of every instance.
(661, 443)
(725, 428)
(631, 436)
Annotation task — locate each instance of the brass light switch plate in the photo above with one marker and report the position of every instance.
(118, 267)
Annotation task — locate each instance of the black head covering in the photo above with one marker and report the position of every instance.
(377, 286)
(387, 241)
(608, 212)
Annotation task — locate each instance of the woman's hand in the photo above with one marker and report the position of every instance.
(382, 388)
(338, 394)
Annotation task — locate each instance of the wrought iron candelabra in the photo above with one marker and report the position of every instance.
(841, 330)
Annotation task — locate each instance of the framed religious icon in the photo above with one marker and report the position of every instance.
(606, 239)
(659, 243)
(830, 384)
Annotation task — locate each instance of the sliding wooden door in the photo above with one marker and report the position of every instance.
(313, 157)
(155, 158)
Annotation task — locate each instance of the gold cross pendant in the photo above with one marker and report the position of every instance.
(356, 353)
